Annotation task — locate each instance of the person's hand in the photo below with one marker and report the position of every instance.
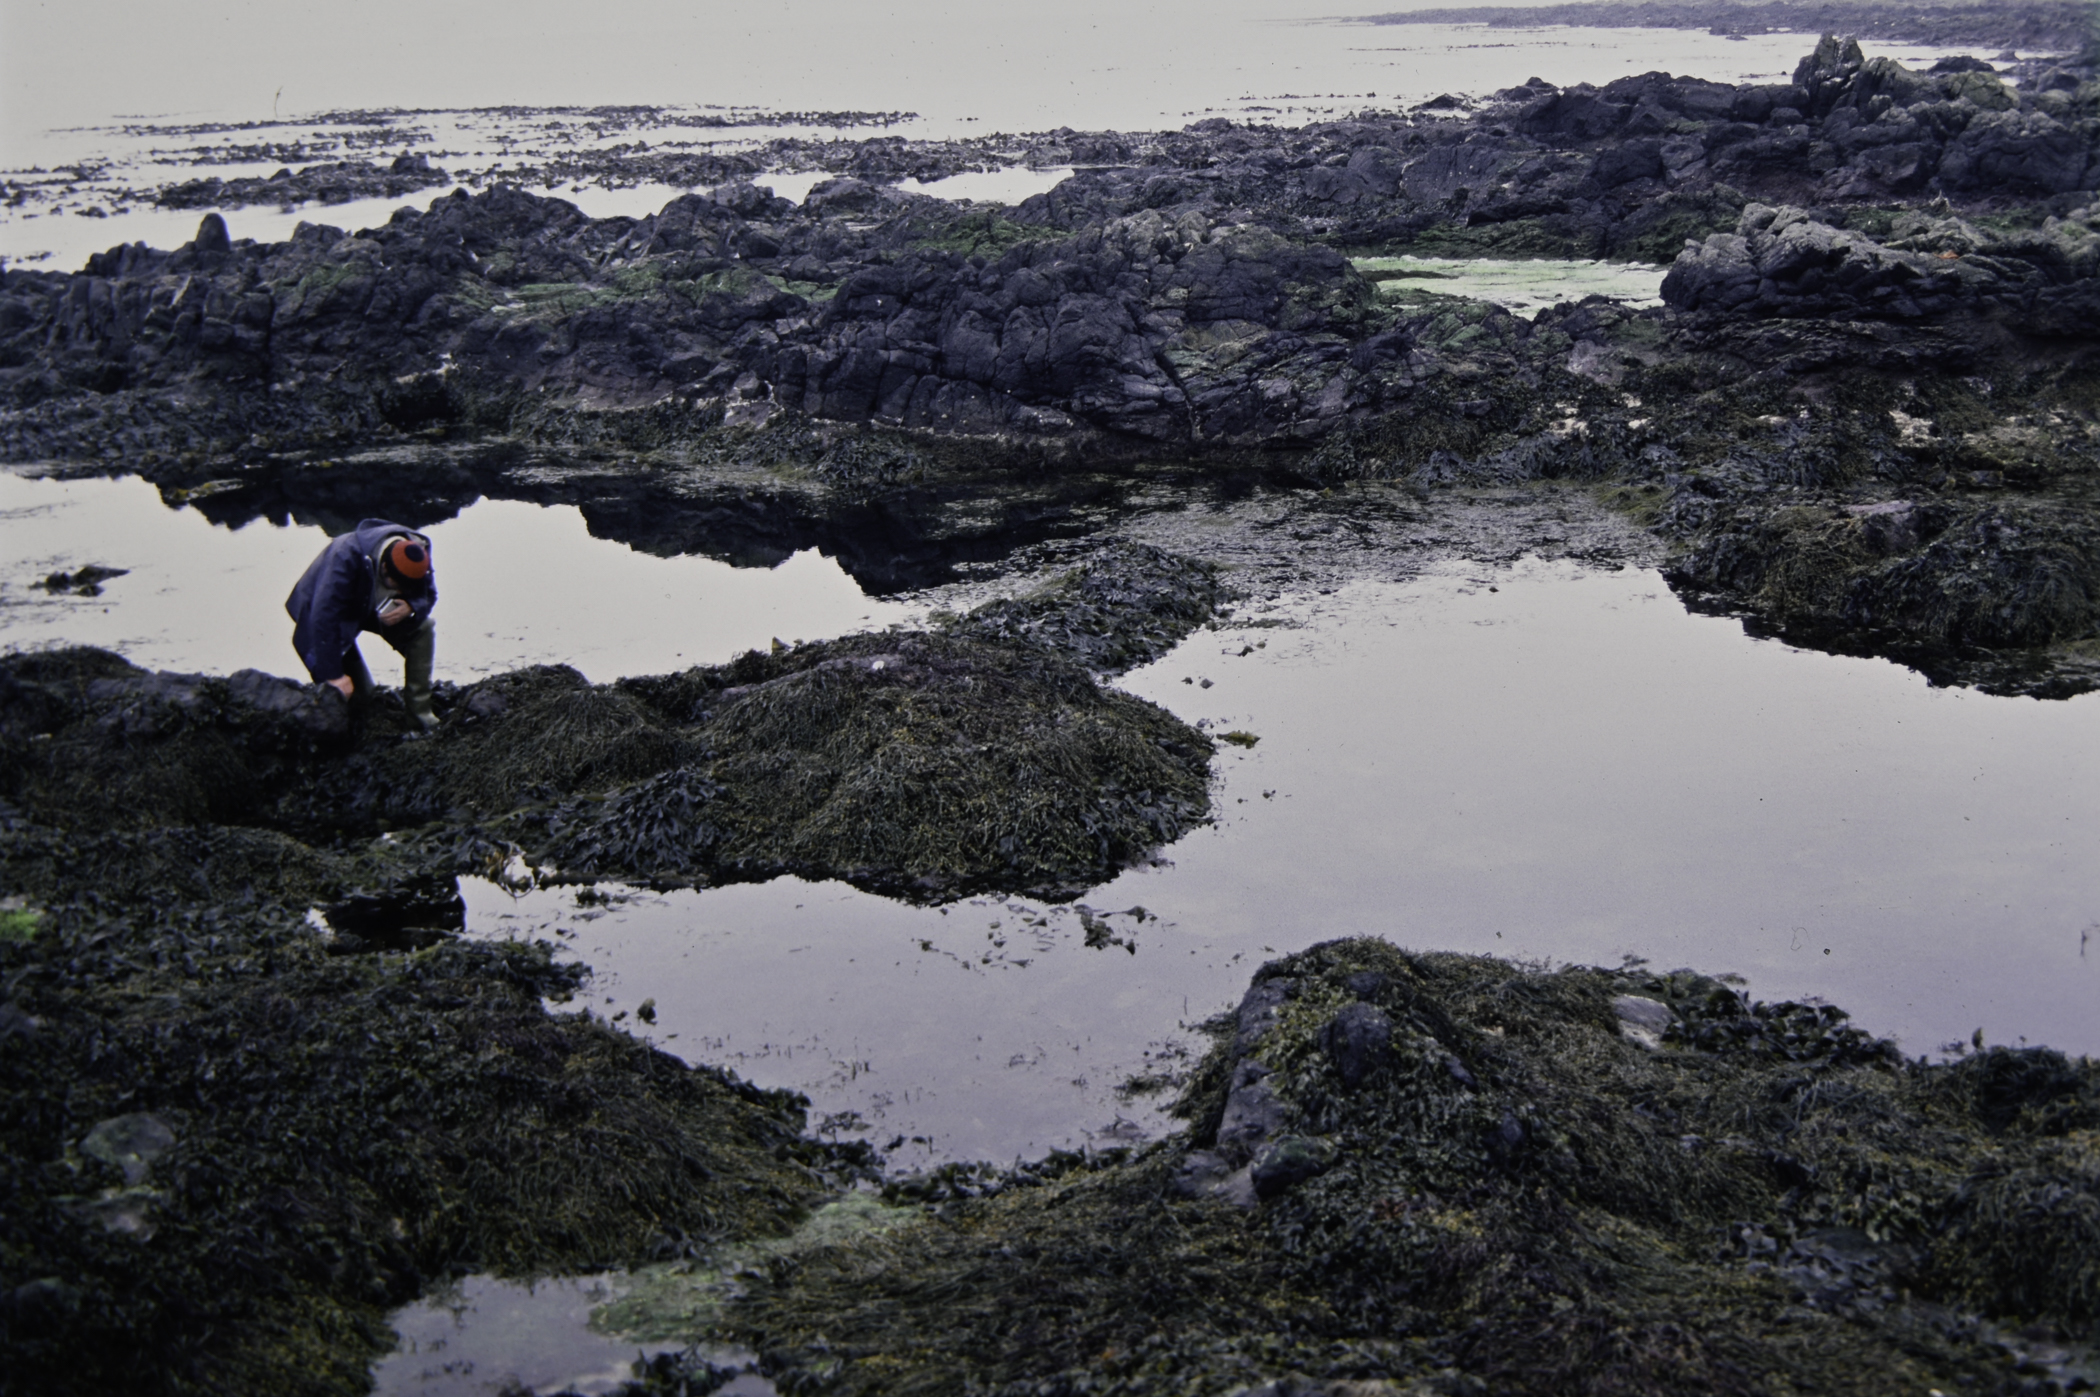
(346, 686)
(393, 612)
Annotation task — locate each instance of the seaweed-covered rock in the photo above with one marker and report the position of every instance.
(1521, 1200)
(1943, 576)
(1357, 1039)
(929, 765)
(228, 1152)
(1123, 606)
(235, 1138)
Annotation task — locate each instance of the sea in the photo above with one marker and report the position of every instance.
(102, 101)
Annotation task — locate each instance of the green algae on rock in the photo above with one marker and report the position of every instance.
(929, 764)
(1442, 1173)
(228, 1152)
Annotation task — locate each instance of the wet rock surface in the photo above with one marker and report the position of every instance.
(1517, 1198)
(238, 1132)
(230, 1150)
(1881, 288)
(928, 765)
(333, 182)
(1865, 418)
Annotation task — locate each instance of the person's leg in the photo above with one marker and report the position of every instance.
(360, 677)
(418, 657)
(353, 664)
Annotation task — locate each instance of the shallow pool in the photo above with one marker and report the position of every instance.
(479, 1336)
(1541, 761)
(1524, 286)
(518, 583)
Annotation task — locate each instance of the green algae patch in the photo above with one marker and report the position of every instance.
(683, 1301)
(1453, 1174)
(19, 924)
(978, 232)
(1642, 503)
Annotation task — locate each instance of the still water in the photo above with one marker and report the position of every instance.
(200, 596)
(1539, 760)
(959, 69)
(475, 1336)
(1542, 761)
(1525, 286)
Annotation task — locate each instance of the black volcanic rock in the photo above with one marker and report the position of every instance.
(336, 182)
(1785, 262)
(1848, 248)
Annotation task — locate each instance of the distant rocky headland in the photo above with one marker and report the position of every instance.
(2027, 26)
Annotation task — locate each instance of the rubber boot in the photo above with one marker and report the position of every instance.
(418, 657)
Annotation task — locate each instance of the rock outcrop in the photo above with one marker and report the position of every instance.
(1463, 1176)
(1848, 250)
(1785, 262)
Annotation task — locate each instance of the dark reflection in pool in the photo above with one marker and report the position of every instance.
(1544, 762)
(524, 584)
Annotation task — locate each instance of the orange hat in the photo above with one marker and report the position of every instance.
(407, 560)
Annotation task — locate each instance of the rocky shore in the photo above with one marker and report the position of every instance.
(2051, 26)
(1439, 1174)
(237, 1134)
(1864, 418)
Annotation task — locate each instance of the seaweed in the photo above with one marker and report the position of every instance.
(926, 764)
(1468, 1175)
(229, 1152)
(259, 1090)
(1124, 606)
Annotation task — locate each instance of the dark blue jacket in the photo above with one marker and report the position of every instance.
(333, 601)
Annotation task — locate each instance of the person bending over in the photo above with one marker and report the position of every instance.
(376, 578)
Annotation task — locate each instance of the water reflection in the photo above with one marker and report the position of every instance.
(1543, 762)
(481, 1335)
(521, 584)
(1525, 286)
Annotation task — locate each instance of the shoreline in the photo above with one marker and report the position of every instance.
(1864, 419)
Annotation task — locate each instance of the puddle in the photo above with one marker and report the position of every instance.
(1524, 286)
(1008, 186)
(520, 584)
(988, 1030)
(793, 187)
(1541, 762)
(586, 1334)
(481, 1336)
